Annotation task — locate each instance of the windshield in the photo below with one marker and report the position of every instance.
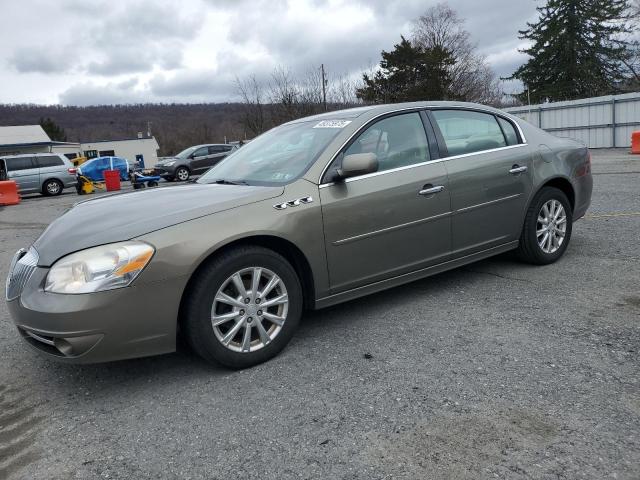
(186, 152)
(277, 157)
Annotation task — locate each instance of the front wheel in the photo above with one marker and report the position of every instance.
(182, 174)
(243, 307)
(547, 227)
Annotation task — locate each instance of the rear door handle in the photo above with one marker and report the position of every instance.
(431, 190)
(515, 170)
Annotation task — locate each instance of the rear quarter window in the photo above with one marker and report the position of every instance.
(509, 131)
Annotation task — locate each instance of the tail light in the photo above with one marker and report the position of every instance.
(72, 171)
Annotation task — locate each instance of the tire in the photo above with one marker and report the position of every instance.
(52, 187)
(182, 174)
(215, 279)
(532, 247)
(152, 183)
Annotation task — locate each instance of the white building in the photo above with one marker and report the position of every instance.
(135, 149)
(21, 139)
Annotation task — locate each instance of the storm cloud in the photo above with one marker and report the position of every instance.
(96, 51)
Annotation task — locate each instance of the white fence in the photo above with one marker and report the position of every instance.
(599, 122)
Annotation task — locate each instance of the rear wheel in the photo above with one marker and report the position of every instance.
(243, 307)
(182, 174)
(547, 227)
(52, 187)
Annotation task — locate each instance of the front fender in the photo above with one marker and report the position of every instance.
(181, 249)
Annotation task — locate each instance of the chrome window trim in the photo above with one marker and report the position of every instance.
(415, 165)
(510, 119)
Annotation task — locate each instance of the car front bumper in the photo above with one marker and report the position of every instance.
(164, 171)
(135, 321)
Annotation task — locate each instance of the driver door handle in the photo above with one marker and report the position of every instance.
(515, 170)
(430, 189)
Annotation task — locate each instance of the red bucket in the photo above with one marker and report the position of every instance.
(111, 180)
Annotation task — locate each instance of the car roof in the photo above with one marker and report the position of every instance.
(20, 155)
(212, 145)
(375, 110)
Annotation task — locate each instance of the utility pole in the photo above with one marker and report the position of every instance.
(324, 88)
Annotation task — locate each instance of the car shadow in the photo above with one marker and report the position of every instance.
(185, 366)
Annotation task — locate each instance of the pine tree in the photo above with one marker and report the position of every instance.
(53, 130)
(577, 50)
(409, 73)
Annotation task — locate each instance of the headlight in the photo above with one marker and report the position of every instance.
(169, 164)
(99, 268)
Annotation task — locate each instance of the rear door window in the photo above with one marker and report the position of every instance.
(19, 163)
(49, 161)
(466, 131)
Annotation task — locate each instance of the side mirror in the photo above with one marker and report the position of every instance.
(358, 164)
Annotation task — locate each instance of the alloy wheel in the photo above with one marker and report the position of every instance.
(551, 227)
(182, 174)
(249, 309)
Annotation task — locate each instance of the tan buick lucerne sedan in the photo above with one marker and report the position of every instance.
(317, 211)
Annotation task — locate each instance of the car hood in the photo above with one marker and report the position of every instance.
(164, 160)
(116, 218)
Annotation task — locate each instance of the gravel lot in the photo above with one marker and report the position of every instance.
(494, 370)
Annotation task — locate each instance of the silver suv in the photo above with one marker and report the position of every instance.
(48, 173)
(192, 161)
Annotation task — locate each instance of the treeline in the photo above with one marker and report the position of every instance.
(175, 126)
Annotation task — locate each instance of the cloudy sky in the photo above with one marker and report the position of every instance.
(83, 52)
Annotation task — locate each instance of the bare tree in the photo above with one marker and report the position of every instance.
(284, 95)
(341, 92)
(632, 63)
(251, 93)
(287, 96)
(472, 79)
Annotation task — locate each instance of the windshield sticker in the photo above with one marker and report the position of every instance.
(333, 124)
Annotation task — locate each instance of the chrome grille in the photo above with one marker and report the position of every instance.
(22, 266)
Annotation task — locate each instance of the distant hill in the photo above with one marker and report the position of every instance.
(175, 126)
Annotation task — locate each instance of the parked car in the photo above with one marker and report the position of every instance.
(192, 161)
(94, 169)
(47, 173)
(314, 212)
